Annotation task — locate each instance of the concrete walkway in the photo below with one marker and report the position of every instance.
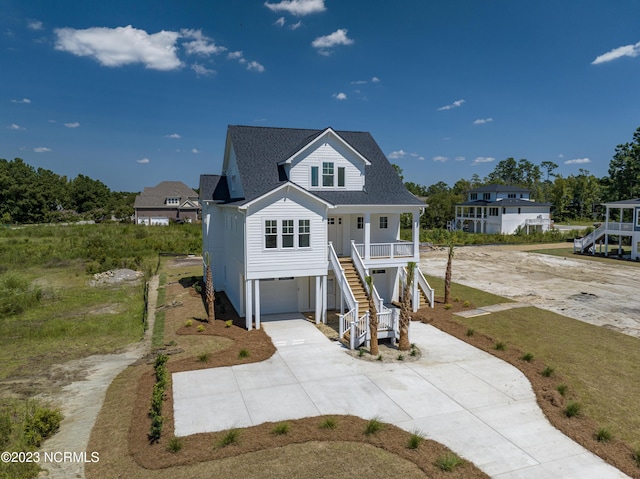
(477, 405)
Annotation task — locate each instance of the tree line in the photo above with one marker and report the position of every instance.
(30, 195)
(572, 197)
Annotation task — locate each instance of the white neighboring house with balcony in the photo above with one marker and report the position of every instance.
(299, 217)
(501, 209)
(622, 220)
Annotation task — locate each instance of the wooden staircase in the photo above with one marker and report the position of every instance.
(355, 283)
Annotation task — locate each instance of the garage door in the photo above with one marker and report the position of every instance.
(278, 295)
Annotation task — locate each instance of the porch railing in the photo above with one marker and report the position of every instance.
(619, 226)
(359, 332)
(401, 249)
(581, 244)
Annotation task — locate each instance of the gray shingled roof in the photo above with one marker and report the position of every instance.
(497, 188)
(214, 187)
(155, 196)
(260, 149)
(630, 202)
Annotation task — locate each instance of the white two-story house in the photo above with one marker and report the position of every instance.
(298, 218)
(501, 209)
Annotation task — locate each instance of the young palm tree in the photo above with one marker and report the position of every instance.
(405, 308)
(209, 291)
(373, 318)
(447, 275)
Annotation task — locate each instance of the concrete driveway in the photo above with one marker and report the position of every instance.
(479, 406)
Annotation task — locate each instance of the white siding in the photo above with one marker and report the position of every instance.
(331, 150)
(286, 203)
(511, 220)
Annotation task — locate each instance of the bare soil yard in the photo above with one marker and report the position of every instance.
(600, 293)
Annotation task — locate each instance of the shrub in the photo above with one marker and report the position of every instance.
(229, 437)
(373, 426)
(500, 346)
(16, 294)
(281, 429)
(636, 456)
(203, 358)
(329, 423)
(244, 353)
(400, 357)
(603, 435)
(360, 352)
(547, 371)
(562, 389)
(175, 444)
(448, 306)
(379, 357)
(41, 423)
(188, 323)
(527, 357)
(228, 323)
(201, 328)
(470, 332)
(572, 409)
(413, 353)
(449, 461)
(466, 304)
(456, 299)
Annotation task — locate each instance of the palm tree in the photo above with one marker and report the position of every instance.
(405, 308)
(373, 318)
(209, 291)
(447, 275)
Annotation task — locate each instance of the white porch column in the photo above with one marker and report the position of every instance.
(248, 304)
(416, 235)
(414, 291)
(257, 303)
(318, 300)
(324, 299)
(367, 236)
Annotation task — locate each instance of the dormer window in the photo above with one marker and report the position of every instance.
(173, 201)
(511, 195)
(473, 196)
(486, 196)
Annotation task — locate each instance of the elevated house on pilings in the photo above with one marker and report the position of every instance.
(298, 218)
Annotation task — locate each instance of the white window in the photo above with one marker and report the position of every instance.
(473, 196)
(304, 233)
(271, 234)
(287, 233)
(360, 222)
(384, 222)
(493, 211)
(327, 174)
(173, 201)
(314, 176)
(486, 196)
(341, 179)
(511, 195)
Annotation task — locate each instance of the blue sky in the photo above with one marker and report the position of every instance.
(136, 92)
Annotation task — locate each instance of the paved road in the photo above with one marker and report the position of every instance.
(479, 406)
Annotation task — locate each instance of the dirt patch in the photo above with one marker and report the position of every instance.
(604, 294)
(580, 429)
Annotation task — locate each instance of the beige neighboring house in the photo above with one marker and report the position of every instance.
(169, 200)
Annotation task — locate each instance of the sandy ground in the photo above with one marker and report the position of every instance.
(604, 294)
(81, 401)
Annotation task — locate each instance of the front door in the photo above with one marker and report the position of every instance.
(335, 233)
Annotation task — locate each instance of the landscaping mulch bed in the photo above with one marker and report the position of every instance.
(581, 429)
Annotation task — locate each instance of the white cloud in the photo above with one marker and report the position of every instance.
(34, 25)
(482, 121)
(441, 159)
(358, 82)
(200, 44)
(375, 80)
(143, 161)
(339, 37)
(455, 104)
(460, 158)
(396, 155)
(255, 67)
(624, 51)
(483, 159)
(297, 7)
(13, 126)
(201, 70)
(195, 151)
(578, 161)
(280, 22)
(114, 47)
(560, 155)
(75, 124)
(235, 55)
(175, 136)
(296, 25)
(24, 100)
(339, 96)
(42, 149)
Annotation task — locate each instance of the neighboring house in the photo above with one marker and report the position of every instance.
(299, 217)
(501, 209)
(170, 200)
(623, 221)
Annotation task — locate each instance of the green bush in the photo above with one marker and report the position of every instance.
(562, 389)
(373, 426)
(500, 346)
(449, 461)
(175, 444)
(329, 423)
(281, 429)
(527, 357)
(229, 437)
(547, 371)
(603, 435)
(572, 409)
(415, 440)
(41, 424)
(16, 294)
